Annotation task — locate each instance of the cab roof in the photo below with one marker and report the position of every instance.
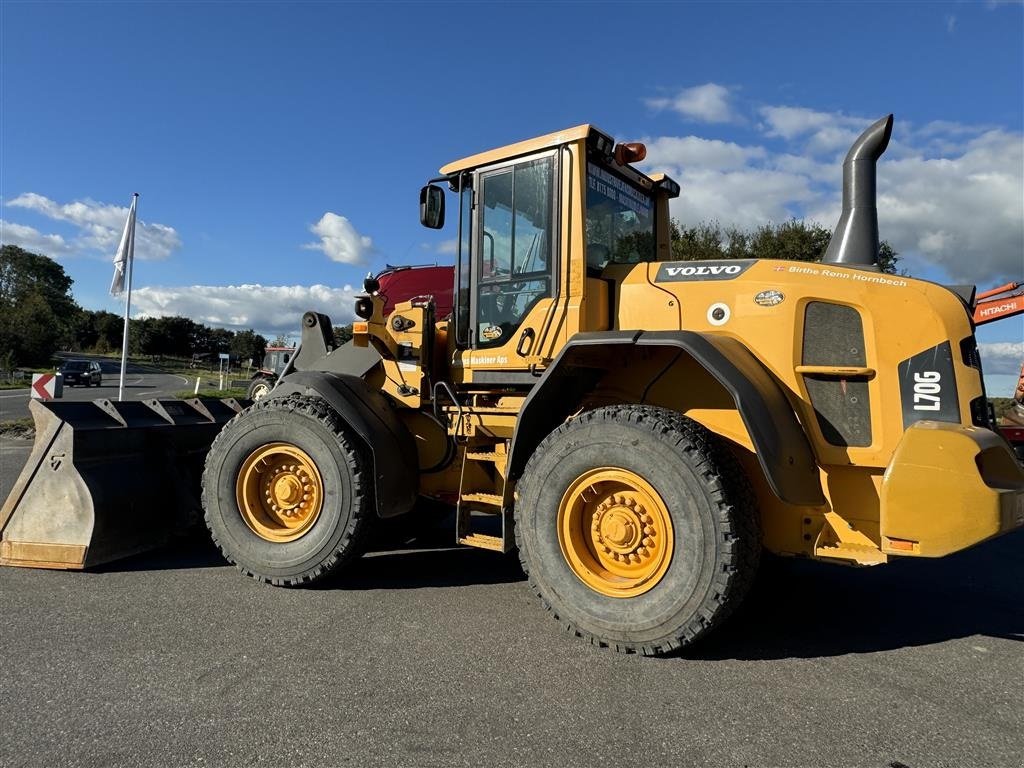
(519, 148)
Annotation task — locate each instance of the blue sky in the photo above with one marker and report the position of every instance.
(278, 149)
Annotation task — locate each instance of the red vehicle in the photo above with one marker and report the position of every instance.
(274, 361)
(404, 283)
(397, 284)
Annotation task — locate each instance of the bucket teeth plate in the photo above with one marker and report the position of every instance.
(106, 479)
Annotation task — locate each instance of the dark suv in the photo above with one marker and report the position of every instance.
(84, 372)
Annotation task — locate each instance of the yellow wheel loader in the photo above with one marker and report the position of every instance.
(640, 429)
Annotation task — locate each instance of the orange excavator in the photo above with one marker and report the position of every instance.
(999, 304)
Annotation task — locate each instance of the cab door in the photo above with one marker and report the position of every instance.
(514, 266)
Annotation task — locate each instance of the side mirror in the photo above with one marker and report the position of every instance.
(432, 206)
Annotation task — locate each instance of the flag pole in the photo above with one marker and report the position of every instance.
(127, 299)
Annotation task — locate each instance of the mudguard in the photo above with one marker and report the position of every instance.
(781, 445)
(373, 419)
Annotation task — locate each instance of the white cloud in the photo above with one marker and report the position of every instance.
(824, 131)
(100, 226)
(340, 240)
(1001, 357)
(694, 152)
(708, 103)
(727, 182)
(950, 23)
(964, 213)
(949, 195)
(950, 128)
(448, 247)
(745, 198)
(269, 309)
(32, 239)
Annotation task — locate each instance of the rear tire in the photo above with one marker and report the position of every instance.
(636, 528)
(293, 452)
(259, 388)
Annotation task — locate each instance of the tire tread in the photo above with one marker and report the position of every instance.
(735, 508)
(356, 535)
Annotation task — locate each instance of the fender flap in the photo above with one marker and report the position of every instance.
(372, 418)
(780, 442)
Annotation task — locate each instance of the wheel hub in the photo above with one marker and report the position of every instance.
(279, 492)
(618, 525)
(615, 532)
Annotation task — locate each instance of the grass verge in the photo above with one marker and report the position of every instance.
(217, 394)
(17, 428)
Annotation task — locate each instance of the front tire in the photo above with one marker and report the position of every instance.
(286, 492)
(636, 528)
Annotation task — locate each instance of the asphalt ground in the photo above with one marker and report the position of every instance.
(436, 656)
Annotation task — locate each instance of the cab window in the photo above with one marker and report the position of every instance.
(620, 220)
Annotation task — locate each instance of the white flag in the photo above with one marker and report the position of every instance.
(125, 251)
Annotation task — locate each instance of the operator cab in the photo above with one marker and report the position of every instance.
(519, 289)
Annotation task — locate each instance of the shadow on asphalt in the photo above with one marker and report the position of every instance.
(797, 608)
(396, 560)
(193, 549)
(424, 568)
(805, 609)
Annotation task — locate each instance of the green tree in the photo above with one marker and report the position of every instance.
(109, 330)
(792, 240)
(248, 345)
(342, 334)
(703, 241)
(36, 333)
(218, 339)
(83, 331)
(37, 313)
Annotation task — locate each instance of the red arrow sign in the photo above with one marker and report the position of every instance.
(43, 385)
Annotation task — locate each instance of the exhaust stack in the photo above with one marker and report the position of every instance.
(855, 240)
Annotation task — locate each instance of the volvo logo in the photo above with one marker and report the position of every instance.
(702, 270)
(732, 269)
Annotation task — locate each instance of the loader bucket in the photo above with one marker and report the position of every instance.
(106, 480)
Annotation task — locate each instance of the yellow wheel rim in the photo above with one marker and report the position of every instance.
(279, 492)
(615, 532)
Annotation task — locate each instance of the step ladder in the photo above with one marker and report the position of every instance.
(480, 509)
